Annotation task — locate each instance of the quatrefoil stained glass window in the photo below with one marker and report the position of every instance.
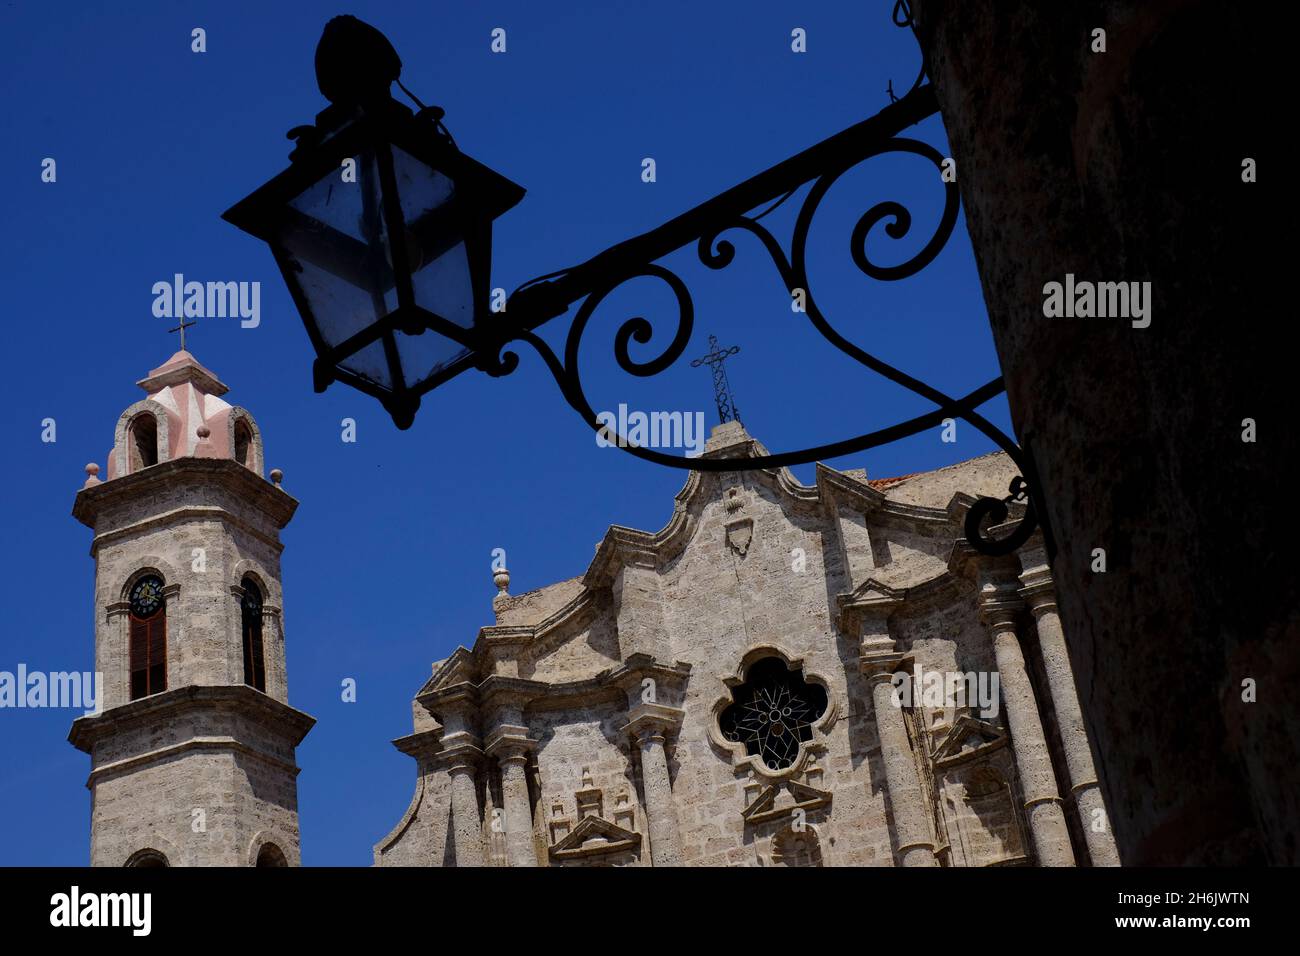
(146, 596)
(773, 712)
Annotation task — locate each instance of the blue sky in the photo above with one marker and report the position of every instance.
(387, 563)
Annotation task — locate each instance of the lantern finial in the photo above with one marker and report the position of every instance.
(355, 62)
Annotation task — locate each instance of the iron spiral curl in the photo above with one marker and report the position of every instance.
(717, 253)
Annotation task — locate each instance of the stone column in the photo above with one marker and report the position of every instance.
(649, 725)
(1040, 594)
(273, 656)
(1051, 837)
(511, 747)
(466, 823)
(906, 801)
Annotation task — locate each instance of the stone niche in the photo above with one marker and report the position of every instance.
(589, 837)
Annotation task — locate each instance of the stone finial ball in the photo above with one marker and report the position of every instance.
(92, 469)
(277, 475)
(203, 431)
(501, 579)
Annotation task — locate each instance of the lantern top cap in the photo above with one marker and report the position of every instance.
(354, 61)
(183, 368)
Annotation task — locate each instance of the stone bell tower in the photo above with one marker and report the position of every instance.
(192, 747)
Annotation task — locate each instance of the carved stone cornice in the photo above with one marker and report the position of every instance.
(172, 706)
(422, 744)
(497, 692)
(594, 837)
(871, 598)
(509, 742)
(633, 672)
(470, 699)
(1039, 590)
(653, 720)
(117, 608)
(462, 697)
(952, 751)
(457, 668)
(252, 488)
(1000, 608)
(882, 665)
(779, 800)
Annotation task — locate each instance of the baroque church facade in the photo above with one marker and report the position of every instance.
(746, 687)
(752, 685)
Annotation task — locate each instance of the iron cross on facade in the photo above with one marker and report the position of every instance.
(181, 329)
(721, 387)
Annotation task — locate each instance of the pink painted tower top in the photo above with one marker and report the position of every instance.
(182, 415)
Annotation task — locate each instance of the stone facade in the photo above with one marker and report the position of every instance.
(201, 771)
(724, 692)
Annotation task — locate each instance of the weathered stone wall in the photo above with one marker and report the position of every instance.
(574, 656)
(199, 805)
(162, 531)
(203, 772)
(421, 837)
(578, 742)
(1127, 166)
(718, 606)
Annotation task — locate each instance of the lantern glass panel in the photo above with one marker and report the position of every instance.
(370, 362)
(352, 208)
(372, 259)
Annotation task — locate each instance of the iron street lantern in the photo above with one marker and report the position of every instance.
(382, 229)
(389, 267)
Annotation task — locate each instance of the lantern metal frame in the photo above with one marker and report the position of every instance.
(380, 126)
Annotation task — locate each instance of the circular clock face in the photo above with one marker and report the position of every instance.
(146, 596)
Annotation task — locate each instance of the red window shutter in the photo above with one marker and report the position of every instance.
(139, 657)
(148, 655)
(158, 653)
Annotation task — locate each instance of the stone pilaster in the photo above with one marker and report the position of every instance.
(999, 607)
(1039, 592)
(908, 804)
(510, 745)
(466, 835)
(650, 725)
(113, 654)
(879, 661)
(273, 656)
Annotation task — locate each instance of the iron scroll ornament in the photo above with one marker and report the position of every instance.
(717, 253)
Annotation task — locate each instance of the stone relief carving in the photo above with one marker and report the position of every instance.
(739, 536)
(593, 839)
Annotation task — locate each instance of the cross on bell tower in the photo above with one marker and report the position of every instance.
(722, 394)
(181, 329)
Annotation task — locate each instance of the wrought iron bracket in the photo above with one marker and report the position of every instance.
(822, 165)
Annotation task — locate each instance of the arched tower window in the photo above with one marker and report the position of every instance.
(271, 855)
(243, 443)
(147, 858)
(144, 441)
(251, 615)
(148, 650)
